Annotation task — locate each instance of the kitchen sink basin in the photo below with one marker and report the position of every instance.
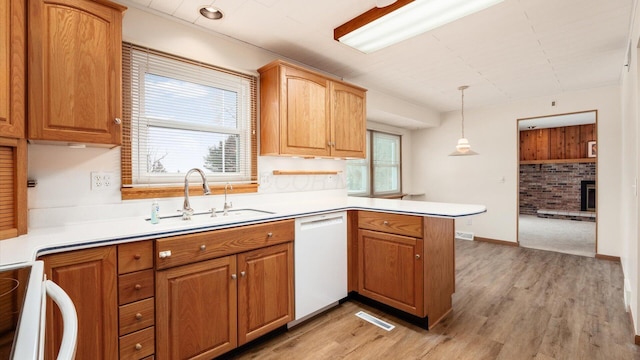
(205, 216)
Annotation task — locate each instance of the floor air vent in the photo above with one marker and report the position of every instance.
(463, 235)
(374, 320)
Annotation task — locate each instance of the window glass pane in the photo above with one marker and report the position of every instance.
(358, 173)
(184, 116)
(184, 101)
(386, 163)
(177, 151)
(386, 180)
(357, 179)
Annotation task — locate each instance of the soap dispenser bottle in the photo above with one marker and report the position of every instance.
(155, 212)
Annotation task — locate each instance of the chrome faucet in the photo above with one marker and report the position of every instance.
(187, 211)
(227, 205)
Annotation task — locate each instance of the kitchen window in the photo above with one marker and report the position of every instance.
(180, 114)
(379, 174)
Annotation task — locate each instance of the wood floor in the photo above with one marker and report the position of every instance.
(510, 303)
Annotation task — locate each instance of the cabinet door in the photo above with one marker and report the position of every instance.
(348, 121)
(89, 278)
(12, 68)
(75, 71)
(265, 290)
(196, 310)
(304, 111)
(391, 270)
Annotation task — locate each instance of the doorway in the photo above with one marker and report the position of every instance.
(557, 183)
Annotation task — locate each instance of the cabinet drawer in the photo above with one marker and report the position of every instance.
(136, 316)
(135, 286)
(407, 225)
(191, 248)
(138, 344)
(135, 256)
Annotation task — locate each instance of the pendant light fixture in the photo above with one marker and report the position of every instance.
(463, 148)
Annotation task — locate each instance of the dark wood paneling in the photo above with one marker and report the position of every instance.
(556, 143)
(561, 143)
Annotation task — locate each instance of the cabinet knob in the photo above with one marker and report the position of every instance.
(385, 222)
(138, 316)
(203, 247)
(234, 276)
(117, 121)
(137, 256)
(269, 234)
(243, 274)
(164, 254)
(137, 287)
(138, 346)
(417, 256)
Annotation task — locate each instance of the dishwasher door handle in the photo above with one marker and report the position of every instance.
(316, 223)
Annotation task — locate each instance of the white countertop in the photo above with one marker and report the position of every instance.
(86, 234)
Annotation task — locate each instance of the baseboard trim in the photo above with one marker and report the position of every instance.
(494, 241)
(608, 257)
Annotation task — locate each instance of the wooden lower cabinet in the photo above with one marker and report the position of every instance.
(265, 291)
(89, 278)
(404, 261)
(391, 270)
(208, 308)
(196, 310)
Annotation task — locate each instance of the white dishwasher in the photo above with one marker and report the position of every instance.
(320, 250)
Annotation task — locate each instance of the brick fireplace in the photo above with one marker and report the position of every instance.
(558, 188)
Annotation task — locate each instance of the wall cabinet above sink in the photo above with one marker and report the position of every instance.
(306, 114)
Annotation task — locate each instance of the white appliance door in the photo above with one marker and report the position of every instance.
(320, 262)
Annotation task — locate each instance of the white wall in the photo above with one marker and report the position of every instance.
(492, 132)
(630, 249)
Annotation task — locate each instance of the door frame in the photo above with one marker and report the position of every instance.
(518, 171)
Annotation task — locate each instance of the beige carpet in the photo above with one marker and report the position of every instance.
(564, 236)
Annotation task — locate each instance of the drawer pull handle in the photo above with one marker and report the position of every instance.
(164, 254)
(137, 287)
(385, 222)
(138, 316)
(234, 276)
(269, 234)
(243, 274)
(137, 256)
(138, 346)
(417, 256)
(203, 247)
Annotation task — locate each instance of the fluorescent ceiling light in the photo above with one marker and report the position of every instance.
(381, 27)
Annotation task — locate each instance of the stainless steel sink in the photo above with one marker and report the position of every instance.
(205, 216)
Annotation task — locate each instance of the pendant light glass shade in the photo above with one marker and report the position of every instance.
(463, 148)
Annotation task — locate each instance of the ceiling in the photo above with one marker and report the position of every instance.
(515, 50)
(581, 118)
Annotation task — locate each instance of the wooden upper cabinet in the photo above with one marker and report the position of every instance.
(303, 113)
(75, 71)
(348, 121)
(12, 68)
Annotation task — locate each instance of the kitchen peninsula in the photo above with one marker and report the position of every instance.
(400, 253)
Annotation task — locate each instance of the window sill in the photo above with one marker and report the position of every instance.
(177, 191)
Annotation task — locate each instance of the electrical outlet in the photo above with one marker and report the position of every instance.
(101, 180)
